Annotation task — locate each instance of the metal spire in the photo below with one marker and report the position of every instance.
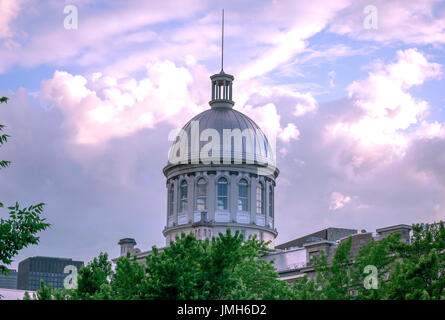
(222, 43)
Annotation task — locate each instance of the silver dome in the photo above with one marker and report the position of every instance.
(246, 142)
(221, 135)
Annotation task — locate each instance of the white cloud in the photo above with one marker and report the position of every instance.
(386, 106)
(419, 22)
(338, 201)
(289, 133)
(431, 130)
(106, 107)
(9, 9)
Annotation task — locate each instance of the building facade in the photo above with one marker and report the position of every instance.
(9, 281)
(294, 259)
(51, 270)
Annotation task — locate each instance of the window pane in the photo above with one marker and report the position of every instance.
(270, 202)
(201, 195)
(259, 199)
(242, 195)
(183, 196)
(222, 194)
(170, 200)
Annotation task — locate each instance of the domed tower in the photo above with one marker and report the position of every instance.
(221, 173)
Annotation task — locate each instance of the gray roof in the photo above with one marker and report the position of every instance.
(329, 234)
(221, 118)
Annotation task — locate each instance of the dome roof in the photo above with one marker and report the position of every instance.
(221, 135)
(220, 119)
(235, 138)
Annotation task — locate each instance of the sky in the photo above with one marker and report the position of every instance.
(355, 95)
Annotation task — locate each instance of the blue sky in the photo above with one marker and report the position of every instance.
(358, 113)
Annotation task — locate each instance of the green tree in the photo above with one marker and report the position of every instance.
(412, 270)
(20, 229)
(45, 292)
(126, 280)
(380, 254)
(179, 271)
(333, 277)
(93, 279)
(306, 289)
(26, 296)
(420, 265)
(227, 267)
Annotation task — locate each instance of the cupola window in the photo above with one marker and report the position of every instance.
(243, 195)
(171, 193)
(260, 199)
(201, 195)
(222, 196)
(183, 196)
(271, 202)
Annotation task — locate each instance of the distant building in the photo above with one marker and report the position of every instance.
(9, 281)
(294, 259)
(50, 269)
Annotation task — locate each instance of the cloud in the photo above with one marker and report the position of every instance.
(104, 107)
(412, 22)
(9, 10)
(289, 133)
(331, 75)
(385, 105)
(290, 101)
(338, 201)
(99, 39)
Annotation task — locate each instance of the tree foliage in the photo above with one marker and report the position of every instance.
(413, 270)
(228, 267)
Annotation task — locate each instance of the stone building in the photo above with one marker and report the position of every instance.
(220, 173)
(294, 259)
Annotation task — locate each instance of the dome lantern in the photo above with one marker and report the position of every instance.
(222, 90)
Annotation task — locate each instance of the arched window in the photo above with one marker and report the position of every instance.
(183, 196)
(270, 202)
(243, 195)
(201, 195)
(260, 199)
(222, 194)
(171, 193)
